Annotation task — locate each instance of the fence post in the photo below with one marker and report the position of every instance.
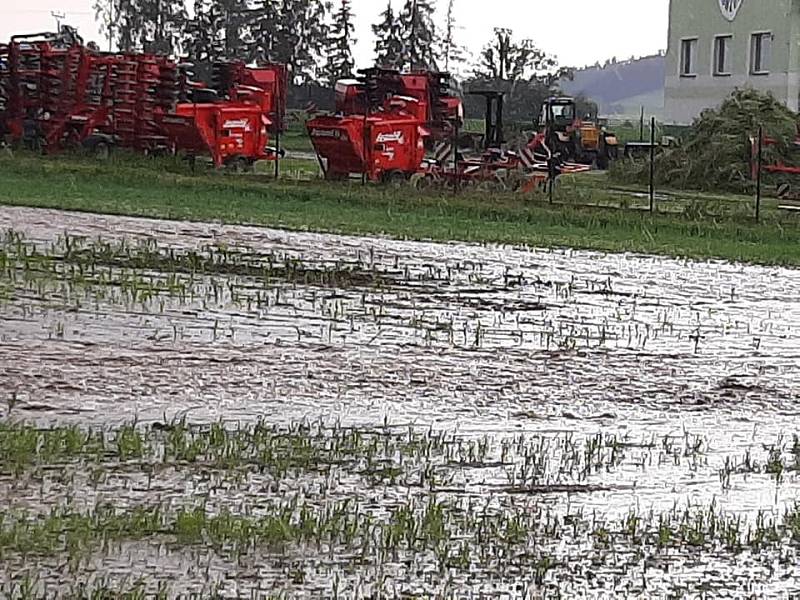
(367, 142)
(456, 174)
(641, 126)
(652, 164)
(278, 149)
(759, 160)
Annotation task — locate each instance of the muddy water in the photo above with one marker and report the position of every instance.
(690, 363)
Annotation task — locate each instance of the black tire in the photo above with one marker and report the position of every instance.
(101, 151)
(421, 181)
(395, 178)
(335, 176)
(245, 165)
(602, 159)
(238, 164)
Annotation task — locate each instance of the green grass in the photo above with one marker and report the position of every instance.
(694, 227)
(295, 138)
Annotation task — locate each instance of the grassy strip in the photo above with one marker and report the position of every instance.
(414, 525)
(141, 189)
(92, 588)
(277, 450)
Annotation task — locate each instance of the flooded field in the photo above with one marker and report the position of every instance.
(197, 410)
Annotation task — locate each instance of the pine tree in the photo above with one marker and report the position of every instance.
(389, 42)
(106, 13)
(507, 59)
(300, 37)
(340, 63)
(234, 17)
(200, 41)
(150, 25)
(418, 34)
(220, 29)
(163, 22)
(452, 54)
(264, 28)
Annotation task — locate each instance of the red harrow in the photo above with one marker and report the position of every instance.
(57, 93)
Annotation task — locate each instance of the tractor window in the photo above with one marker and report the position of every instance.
(563, 112)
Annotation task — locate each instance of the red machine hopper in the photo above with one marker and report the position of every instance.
(389, 144)
(233, 134)
(382, 124)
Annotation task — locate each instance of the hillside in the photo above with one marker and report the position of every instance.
(621, 88)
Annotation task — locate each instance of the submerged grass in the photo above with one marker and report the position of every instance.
(415, 509)
(146, 190)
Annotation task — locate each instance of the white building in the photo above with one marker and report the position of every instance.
(716, 46)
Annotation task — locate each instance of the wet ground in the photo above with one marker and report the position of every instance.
(605, 390)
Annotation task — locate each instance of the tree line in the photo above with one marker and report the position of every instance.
(315, 38)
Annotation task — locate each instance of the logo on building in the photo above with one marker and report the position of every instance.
(730, 8)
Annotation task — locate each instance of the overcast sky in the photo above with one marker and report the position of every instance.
(578, 32)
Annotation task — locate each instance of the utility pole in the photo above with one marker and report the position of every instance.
(58, 16)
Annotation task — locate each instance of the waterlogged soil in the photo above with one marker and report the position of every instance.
(613, 397)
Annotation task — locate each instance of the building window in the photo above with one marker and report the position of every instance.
(689, 57)
(722, 47)
(760, 53)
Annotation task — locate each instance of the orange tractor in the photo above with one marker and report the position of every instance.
(581, 140)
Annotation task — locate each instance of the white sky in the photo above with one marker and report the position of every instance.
(578, 32)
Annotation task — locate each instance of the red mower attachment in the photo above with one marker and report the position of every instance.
(389, 145)
(235, 135)
(234, 127)
(383, 123)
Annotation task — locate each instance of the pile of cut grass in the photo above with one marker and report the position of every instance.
(716, 154)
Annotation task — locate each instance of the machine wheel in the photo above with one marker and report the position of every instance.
(785, 192)
(240, 164)
(421, 181)
(602, 160)
(101, 151)
(334, 176)
(395, 178)
(514, 180)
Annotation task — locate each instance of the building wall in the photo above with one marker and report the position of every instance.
(686, 97)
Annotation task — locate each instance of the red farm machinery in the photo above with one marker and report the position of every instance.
(232, 119)
(384, 122)
(391, 126)
(56, 93)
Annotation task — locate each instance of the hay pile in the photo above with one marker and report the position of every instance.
(716, 154)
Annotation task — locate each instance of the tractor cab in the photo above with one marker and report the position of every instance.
(558, 114)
